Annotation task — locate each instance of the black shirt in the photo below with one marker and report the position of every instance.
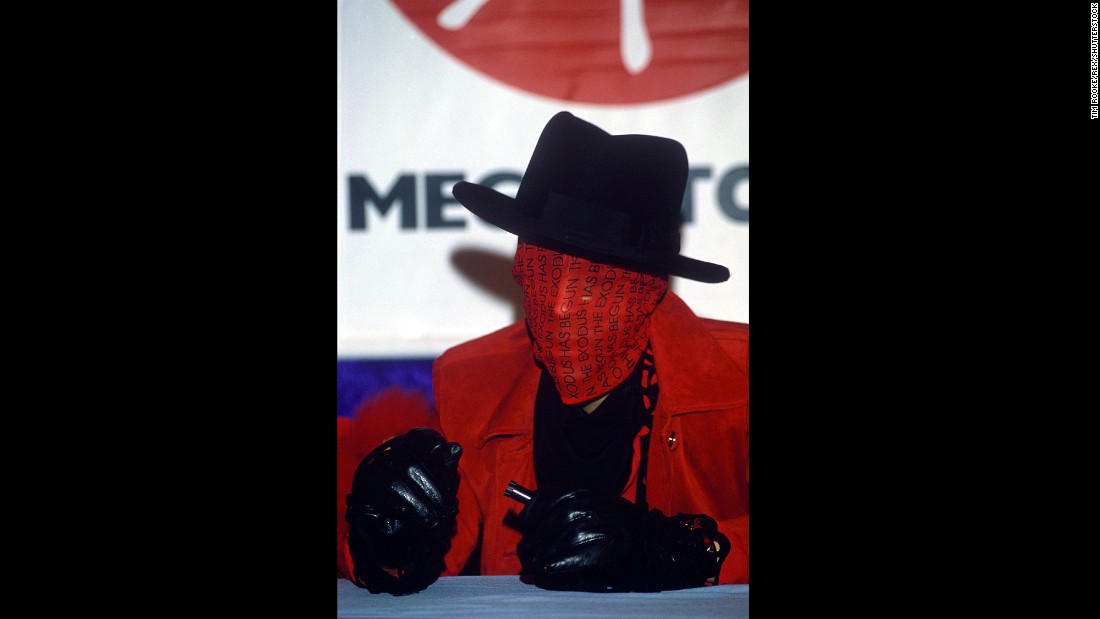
(575, 449)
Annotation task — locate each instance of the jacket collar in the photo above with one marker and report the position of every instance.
(695, 373)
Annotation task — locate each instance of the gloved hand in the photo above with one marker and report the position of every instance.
(580, 540)
(402, 510)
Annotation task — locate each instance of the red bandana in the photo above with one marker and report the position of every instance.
(588, 321)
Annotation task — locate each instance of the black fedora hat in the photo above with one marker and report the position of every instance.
(610, 198)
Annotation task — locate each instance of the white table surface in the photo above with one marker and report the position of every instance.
(477, 597)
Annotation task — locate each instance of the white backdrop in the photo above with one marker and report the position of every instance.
(418, 278)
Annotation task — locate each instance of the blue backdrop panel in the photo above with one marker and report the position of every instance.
(359, 379)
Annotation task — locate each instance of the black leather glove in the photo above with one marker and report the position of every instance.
(583, 541)
(402, 511)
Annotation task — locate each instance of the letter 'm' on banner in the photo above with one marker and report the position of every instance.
(361, 192)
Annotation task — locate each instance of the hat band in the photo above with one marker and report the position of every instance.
(613, 230)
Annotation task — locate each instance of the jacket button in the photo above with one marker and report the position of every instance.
(672, 441)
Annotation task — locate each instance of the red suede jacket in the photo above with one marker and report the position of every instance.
(699, 449)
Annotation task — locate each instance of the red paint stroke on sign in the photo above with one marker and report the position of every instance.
(595, 51)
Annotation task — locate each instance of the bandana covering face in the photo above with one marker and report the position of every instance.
(588, 321)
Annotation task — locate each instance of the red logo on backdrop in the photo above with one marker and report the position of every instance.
(596, 51)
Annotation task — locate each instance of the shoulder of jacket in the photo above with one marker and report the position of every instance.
(470, 379)
(733, 338)
(490, 361)
(504, 342)
(726, 331)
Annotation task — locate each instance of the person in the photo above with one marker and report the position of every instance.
(601, 442)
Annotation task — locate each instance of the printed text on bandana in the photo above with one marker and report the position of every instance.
(588, 321)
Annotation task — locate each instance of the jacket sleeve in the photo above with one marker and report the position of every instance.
(735, 569)
(469, 524)
(389, 413)
(709, 474)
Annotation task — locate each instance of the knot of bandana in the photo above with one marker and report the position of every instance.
(588, 321)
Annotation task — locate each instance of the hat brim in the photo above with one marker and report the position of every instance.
(500, 210)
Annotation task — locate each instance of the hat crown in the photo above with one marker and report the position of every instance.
(609, 198)
(636, 180)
